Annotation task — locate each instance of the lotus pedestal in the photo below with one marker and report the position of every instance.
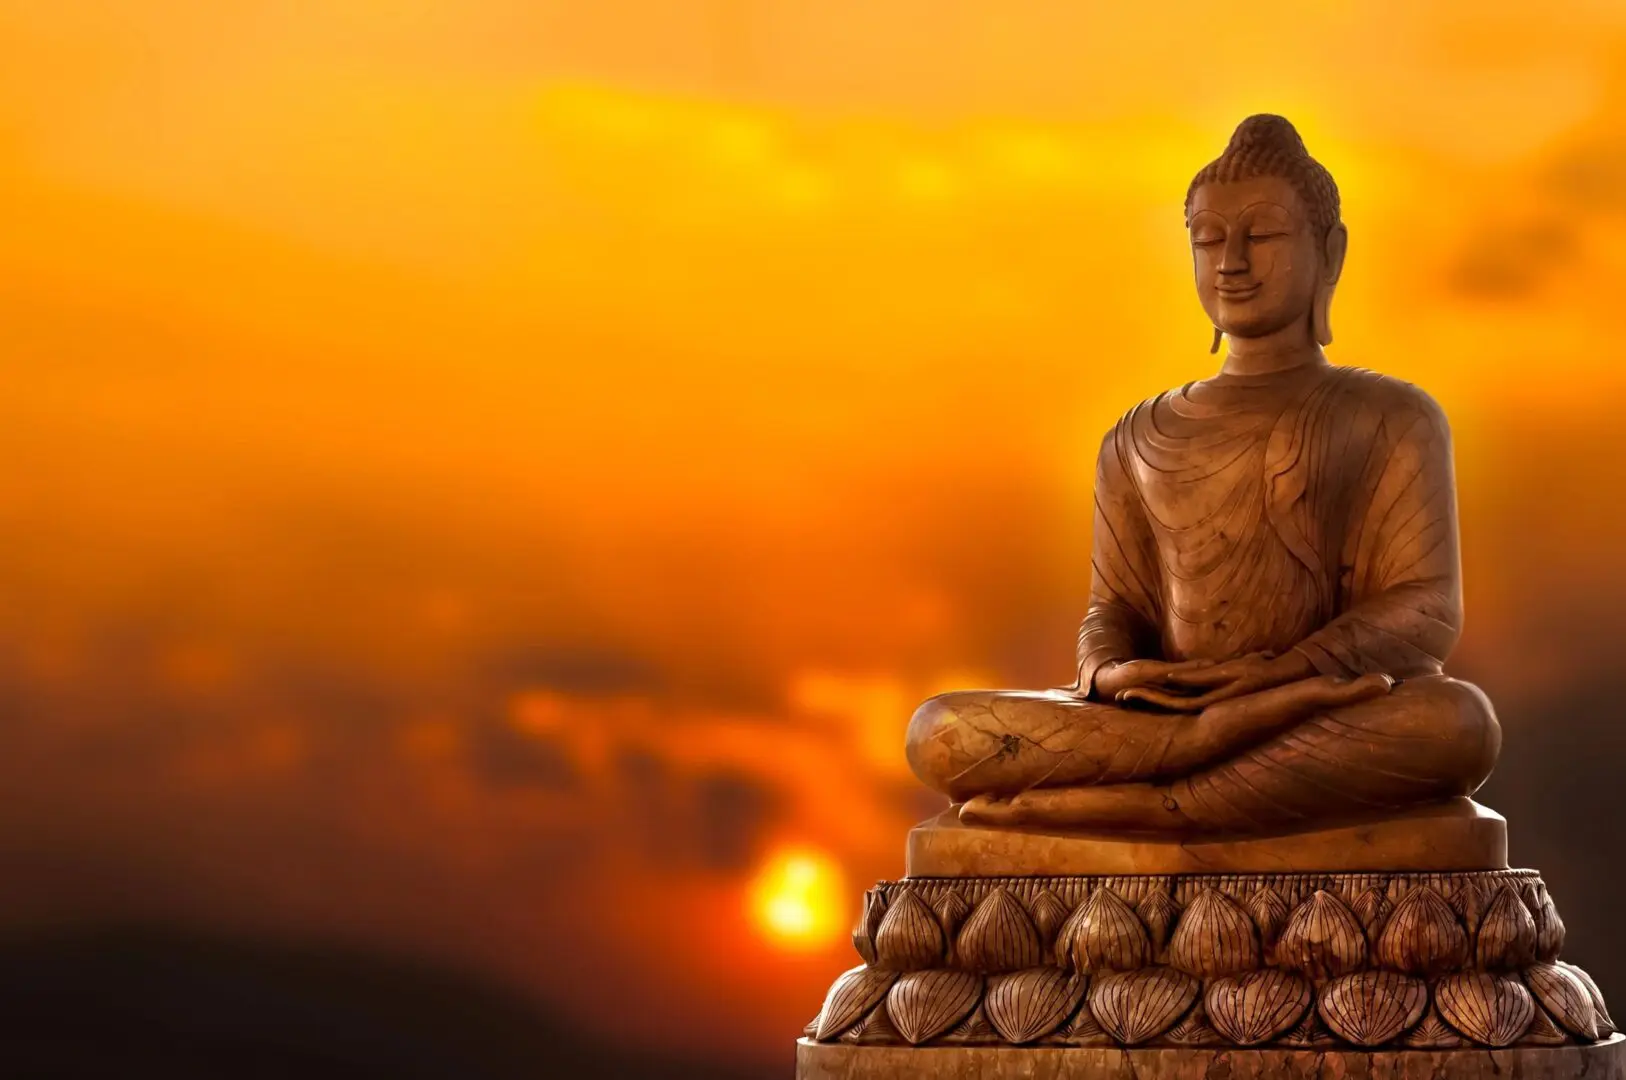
(1156, 966)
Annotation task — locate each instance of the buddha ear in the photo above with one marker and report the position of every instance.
(1333, 251)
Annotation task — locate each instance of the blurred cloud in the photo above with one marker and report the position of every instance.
(491, 480)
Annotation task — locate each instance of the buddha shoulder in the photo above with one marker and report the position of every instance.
(1140, 411)
(1116, 440)
(1394, 399)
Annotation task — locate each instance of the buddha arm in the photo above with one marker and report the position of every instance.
(1121, 623)
(1402, 575)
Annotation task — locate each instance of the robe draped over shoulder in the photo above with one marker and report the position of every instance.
(1310, 509)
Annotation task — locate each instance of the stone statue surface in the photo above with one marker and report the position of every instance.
(1276, 581)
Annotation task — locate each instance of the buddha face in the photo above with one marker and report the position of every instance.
(1257, 258)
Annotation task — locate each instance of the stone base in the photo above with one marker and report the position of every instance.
(1458, 834)
(837, 1061)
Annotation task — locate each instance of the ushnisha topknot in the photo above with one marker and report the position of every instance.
(1269, 145)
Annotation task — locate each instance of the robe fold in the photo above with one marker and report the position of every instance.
(1311, 509)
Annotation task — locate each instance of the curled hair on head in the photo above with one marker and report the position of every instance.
(1268, 145)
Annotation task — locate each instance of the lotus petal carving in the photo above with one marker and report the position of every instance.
(1105, 935)
(1137, 1006)
(869, 920)
(1195, 1030)
(1371, 1008)
(876, 1029)
(1549, 930)
(1049, 916)
(1257, 1007)
(909, 937)
(1423, 936)
(924, 1004)
(1215, 937)
(1432, 1034)
(1420, 961)
(1310, 1033)
(1469, 902)
(1544, 1032)
(1069, 940)
(1493, 1010)
(1081, 1030)
(1028, 1005)
(1606, 1023)
(1373, 909)
(854, 993)
(999, 936)
(1158, 912)
(974, 1030)
(1270, 912)
(1507, 933)
(1322, 940)
(952, 910)
(1566, 998)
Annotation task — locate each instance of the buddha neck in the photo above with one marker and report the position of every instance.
(1287, 349)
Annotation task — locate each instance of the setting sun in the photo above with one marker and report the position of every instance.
(799, 899)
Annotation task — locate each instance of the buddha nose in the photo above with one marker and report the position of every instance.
(1234, 259)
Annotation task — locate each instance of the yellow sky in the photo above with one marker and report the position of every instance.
(413, 403)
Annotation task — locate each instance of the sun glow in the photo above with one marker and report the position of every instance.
(798, 899)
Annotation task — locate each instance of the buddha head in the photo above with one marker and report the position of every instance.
(1266, 239)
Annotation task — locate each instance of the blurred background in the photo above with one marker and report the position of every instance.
(486, 481)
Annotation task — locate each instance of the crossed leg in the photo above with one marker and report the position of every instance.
(1431, 738)
(1002, 742)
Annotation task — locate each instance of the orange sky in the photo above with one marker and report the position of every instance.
(488, 475)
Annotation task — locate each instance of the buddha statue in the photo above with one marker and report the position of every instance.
(1240, 843)
(1276, 581)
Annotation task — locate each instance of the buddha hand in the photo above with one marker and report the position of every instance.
(1114, 680)
(1192, 689)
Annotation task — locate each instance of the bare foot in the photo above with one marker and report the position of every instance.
(990, 810)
